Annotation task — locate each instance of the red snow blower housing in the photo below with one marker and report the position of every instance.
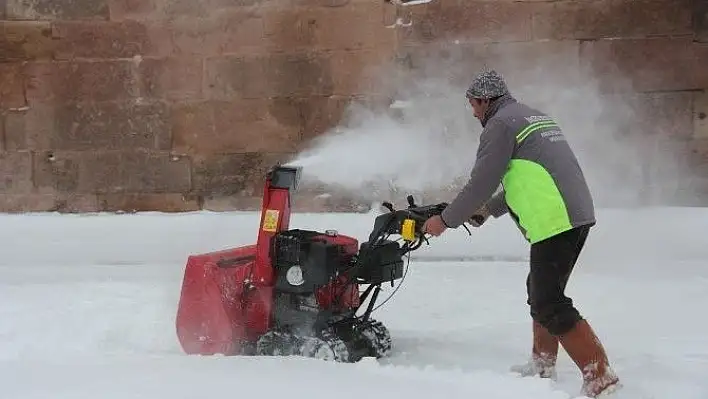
(296, 292)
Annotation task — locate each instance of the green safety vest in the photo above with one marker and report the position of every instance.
(532, 195)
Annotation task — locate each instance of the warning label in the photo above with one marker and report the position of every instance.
(270, 220)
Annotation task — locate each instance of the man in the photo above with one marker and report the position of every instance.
(545, 193)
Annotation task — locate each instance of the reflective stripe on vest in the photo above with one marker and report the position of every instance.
(533, 127)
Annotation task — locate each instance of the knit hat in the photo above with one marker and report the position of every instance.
(488, 84)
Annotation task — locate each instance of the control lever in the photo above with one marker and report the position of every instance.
(411, 201)
(388, 206)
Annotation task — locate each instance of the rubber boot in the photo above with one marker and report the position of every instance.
(586, 350)
(544, 353)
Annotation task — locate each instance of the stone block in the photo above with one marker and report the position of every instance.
(138, 10)
(57, 172)
(112, 125)
(22, 203)
(300, 75)
(483, 21)
(73, 203)
(699, 147)
(321, 114)
(183, 10)
(178, 9)
(268, 125)
(700, 20)
(172, 78)
(237, 31)
(700, 114)
(25, 40)
(236, 77)
(175, 10)
(455, 62)
(692, 156)
(16, 172)
(134, 171)
(69, 81)
(48, 202)
(668, 114)
(233, 175)
(23, 129)
(354, 26)
(275, 75)
(698, 70)
(93, 126)
(56, 10)
(355, 72)
(528, 63)
(147, 202)
(315, 4)
(664, 115)
(2, 132)
(189, 123)
(594, 19)
(259, 125)
(106, 40)
(112, 172)
(12, 91)
(522, 63)
(658, 64)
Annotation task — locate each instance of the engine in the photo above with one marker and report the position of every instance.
(312, 283)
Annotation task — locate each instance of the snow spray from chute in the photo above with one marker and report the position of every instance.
(373, 154)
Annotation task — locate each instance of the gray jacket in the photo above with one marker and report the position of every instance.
(526, 152)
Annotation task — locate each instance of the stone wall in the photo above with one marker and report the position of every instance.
(179, 105)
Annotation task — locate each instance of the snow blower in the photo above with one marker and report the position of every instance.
(296, 292)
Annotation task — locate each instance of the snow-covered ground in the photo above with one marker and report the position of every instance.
(87, 306)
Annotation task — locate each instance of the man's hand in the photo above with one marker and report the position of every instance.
(434, 226)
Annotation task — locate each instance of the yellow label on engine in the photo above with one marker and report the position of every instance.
(270, 220)
(408, 230)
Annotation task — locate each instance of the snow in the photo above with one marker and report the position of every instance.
(87, 306)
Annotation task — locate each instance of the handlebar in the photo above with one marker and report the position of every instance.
(407, 222)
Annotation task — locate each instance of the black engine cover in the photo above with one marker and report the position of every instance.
(302, 263)
(380, 263)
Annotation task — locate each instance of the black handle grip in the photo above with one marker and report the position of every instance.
(478, 218)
